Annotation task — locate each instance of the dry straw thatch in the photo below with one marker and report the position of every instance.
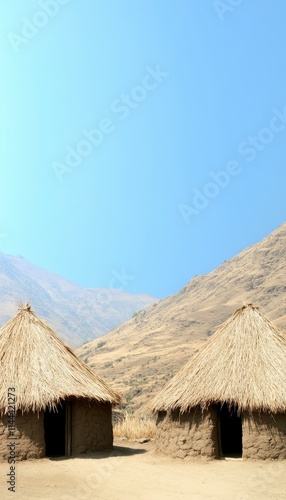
(243, 364)
(42, 368)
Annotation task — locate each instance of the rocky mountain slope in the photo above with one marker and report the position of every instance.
(138, 357)
(77, 314)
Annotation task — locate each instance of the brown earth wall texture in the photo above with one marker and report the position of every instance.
(192, 434)
(264, 436)
(29, 437)
(91, 431)
(91, 427)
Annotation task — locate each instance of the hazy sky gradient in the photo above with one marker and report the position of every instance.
(131, 203)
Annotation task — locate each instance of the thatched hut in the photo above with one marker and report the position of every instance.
(51, 403)
(230, 398)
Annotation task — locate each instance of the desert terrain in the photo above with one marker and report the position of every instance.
(134, 471)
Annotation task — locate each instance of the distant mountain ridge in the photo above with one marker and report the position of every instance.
(139, 356)
(77, 314)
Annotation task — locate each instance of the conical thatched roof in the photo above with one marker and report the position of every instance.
(243, 363)
(42, 368)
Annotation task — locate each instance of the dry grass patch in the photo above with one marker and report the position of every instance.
(133, 426)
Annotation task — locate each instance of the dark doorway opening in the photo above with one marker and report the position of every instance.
(230, 431)
(55, 431)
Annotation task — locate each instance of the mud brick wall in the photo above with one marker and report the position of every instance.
(29, 436)
(91, 427)
(264, 436)
(91, 431)
(192, 434)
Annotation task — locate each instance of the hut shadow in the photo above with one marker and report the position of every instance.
(126, 452)
(117, 451)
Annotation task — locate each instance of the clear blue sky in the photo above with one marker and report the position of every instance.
(116, 118)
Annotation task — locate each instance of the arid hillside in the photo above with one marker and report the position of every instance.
(138, 357)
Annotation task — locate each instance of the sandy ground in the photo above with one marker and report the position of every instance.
(135, 471)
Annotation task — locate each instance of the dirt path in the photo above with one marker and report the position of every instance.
(134, 471)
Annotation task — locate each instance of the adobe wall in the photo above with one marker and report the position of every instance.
(264, 436)
(91, 431)
(192, 434)
(91, 427)
(29, 437)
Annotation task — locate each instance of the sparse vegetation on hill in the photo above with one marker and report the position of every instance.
(157, 342)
